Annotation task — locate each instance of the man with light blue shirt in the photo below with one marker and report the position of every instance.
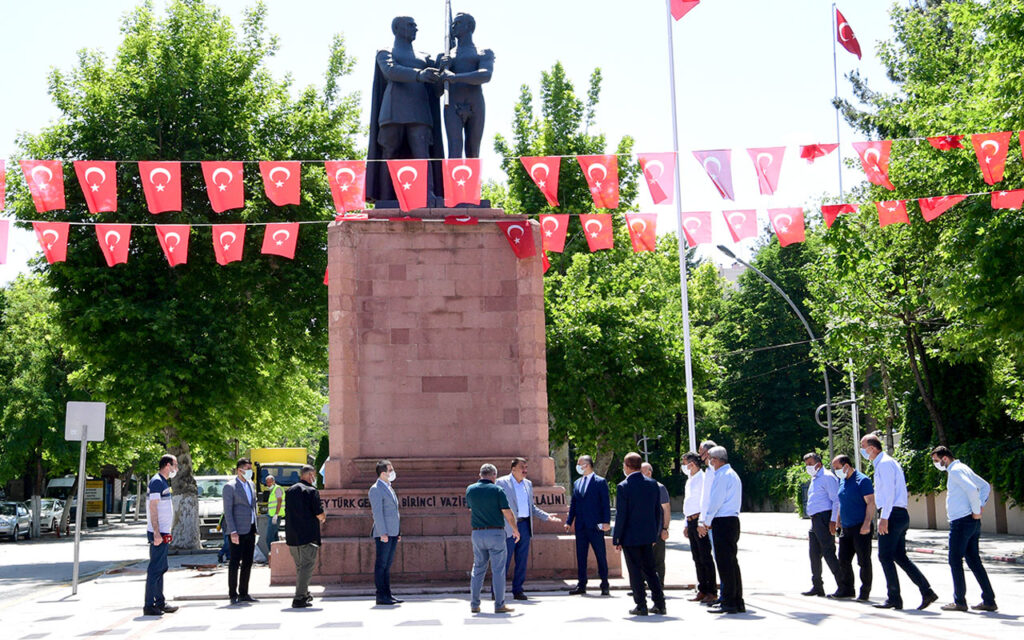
(823, 509)
(894, 520)
(519, 491)
(387, 528)
(723, 521)
(966, 495)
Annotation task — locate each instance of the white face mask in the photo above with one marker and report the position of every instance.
(687, 471)
(811, 470)
(173, 473)
(247, 474)
(392, 475)
(841, 472)
(939, 465)
(580, 470)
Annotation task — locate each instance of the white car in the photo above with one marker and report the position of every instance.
(210, 491)
(15, 521)
(50, 514)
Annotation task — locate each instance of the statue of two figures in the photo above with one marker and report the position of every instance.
(411, 98)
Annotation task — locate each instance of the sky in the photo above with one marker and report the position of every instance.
(749, 73)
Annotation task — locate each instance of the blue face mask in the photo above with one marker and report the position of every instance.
(864, 452)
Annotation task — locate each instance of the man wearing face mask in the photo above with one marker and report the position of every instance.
(159, 518)
(823, 509)
(590, 514)
(700, 546)
(709, 478)
(723, 521)
(666, 508)
(386, 529)
(966, 495)
(856, 514)
(240, 521)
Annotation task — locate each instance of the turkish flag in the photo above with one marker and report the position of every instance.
(602, 174)
(348, 184)
(844, 35)
(410, 180)
(767, 165)
(874, 157)
(161, 182)
(718, 165)
(597, 228)
(5, 226)
(643, 231)
(99, 184)
(788, 225)
(279, 239)
(461, 181)
(544, 261)
(461, 220)
(520, 237)
(832, 211)
(811, 152)
(932, 208)
(660, 173)
(742, 223)
(282, 182)
(991, 150)
(173, 240)
(945, 143)
(53, 238)
(3, 183)
(228, 242)
(680, 8)
(114, 240)
(1013, 199)
(697, 227)
(543, 171)
(45, 180)
(892, 212)
(553, 227)
(224, 185)
(326, 271)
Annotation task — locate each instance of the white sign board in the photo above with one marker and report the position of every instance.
(85, 414)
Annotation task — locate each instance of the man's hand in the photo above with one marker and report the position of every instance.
(865, 528)
(158, 539)
(618, 547)
(832, 526)
(384, 539)
(322, 517)
(234, 538)
(976, 516)
(274, 519)
(566, 527)
(883, 527)
(555, 519)
(604, 526)
(664, 534)
(515, 535)
(702, 531)
(428, 75)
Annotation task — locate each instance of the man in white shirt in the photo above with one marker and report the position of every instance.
(722, 518)
(891, 499)
(519, 491)
(159, 518)
(700, 547)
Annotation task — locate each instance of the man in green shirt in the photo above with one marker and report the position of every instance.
(489, 513)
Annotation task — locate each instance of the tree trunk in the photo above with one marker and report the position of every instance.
(923, 386)
(185, 530)
(868, 422)
(890, 402)
(603, 462)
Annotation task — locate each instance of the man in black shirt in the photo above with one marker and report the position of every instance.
(302, 531)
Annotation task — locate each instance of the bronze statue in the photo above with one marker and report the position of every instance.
(464, 74)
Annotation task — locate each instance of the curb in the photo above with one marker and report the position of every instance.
(925, 550)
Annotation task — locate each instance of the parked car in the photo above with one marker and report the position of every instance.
(211, 505)
(15, 520)
(50, 514)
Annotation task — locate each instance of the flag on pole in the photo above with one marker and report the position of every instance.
(844, 35)
(680, 8)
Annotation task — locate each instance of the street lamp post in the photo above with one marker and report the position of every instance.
(828, 391)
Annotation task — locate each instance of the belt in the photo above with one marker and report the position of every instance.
(522, 519)
(487, 528)
(693, 517)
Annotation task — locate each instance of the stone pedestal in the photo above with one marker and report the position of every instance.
(437, 362)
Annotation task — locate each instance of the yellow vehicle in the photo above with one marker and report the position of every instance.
(284, 463)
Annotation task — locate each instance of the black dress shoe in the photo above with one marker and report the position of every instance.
(658, 611)
(168, 608)
(152, 611)
(519, 596)
(863, 598)
(308, 597)
(606, 590)
(578, 590)
(839, 596)
(395, 600)
(234, 599)
(300, 603)
(724, 610)
(889, 605)
(985, 607)
(927, 599)
(638, 611)
(386, 603)
(247, 598)
(814, 592)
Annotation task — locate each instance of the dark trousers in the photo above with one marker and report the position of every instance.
(892, 551)
(851, 543)
(726, 534)
(382, 566)
(241, 558)
(640, 564)
(659, 560)
(155, 574)
(587, 538)
(822, 544)
(964, 534)
(520, 551)
(700, 549)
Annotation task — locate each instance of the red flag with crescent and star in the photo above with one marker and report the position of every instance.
(228, 242)
(5, 226)
(348, 184)
(788, 225)
(642, 231)
(114, 240)
(945, 143)
(53, 238)
(161, 182)
(602, 174)
(543, 170)
(410, 180)
(767, 165)
(279, 239)
(461, 220)
(45, 180)
(461, 181)
(680, 8)
(811, 152)
(660, 173)
(1012, 199)
(224, 185)
(282, 182)
(3, 183)
(932, 208)
(520, 237)
(99, 184)
(173, 240)
(991, 148)
(844, 35)
(742, 223)
(718, 165)
(832, 211)
(553, 227)
(874, 158)
(597, 228)
(892, 212)
(697, 227)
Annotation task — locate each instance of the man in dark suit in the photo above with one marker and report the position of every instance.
(590, 511)
(240, 522)
(638, 518)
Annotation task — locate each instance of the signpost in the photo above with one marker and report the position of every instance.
(85, 422)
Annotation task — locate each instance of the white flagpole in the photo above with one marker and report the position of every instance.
(690, 420)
